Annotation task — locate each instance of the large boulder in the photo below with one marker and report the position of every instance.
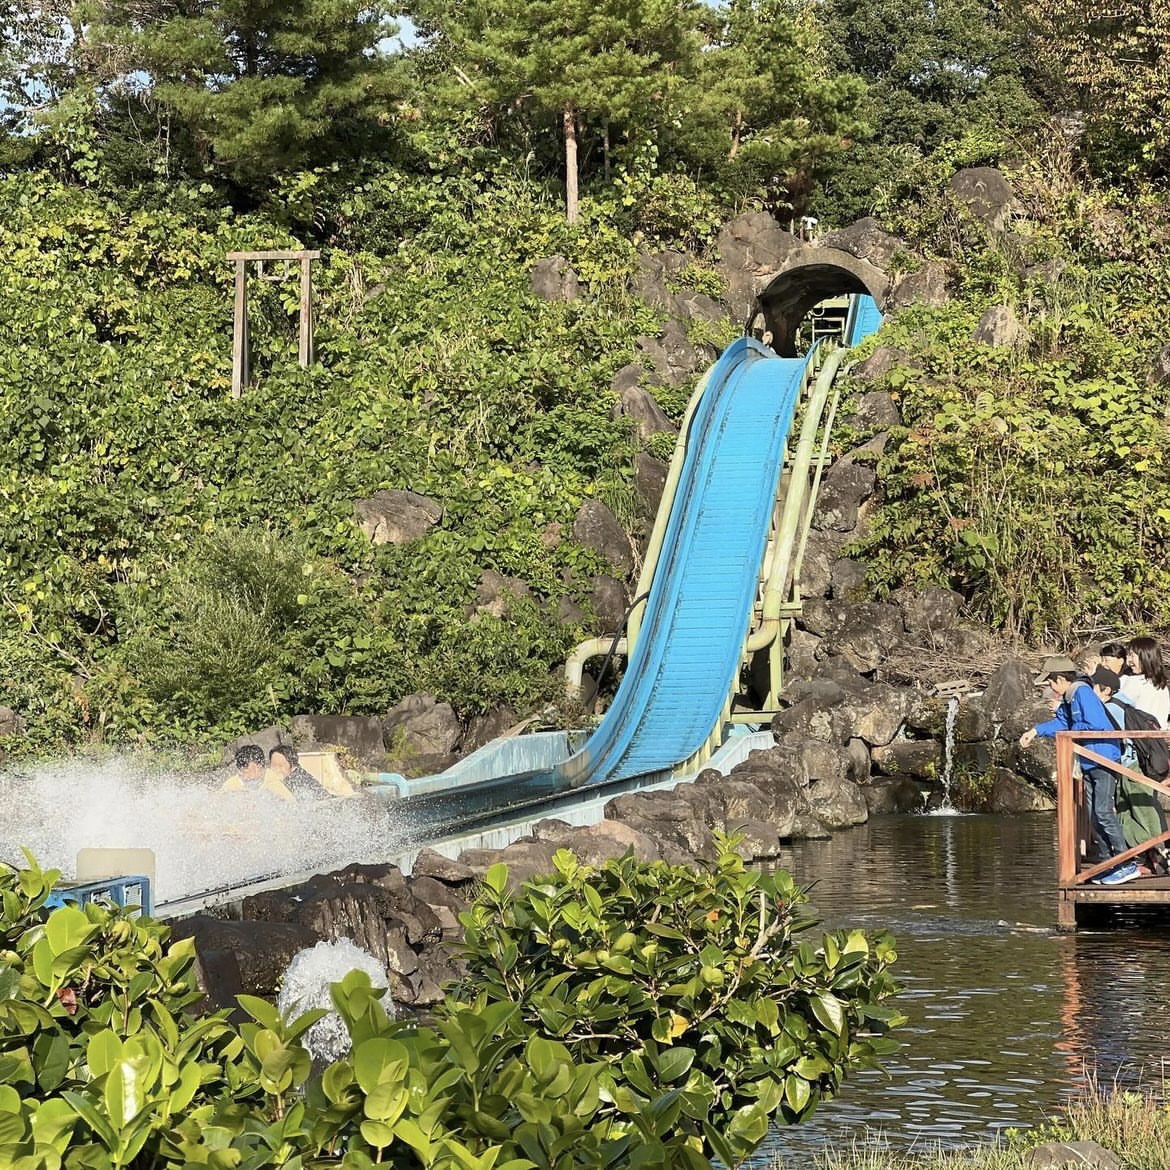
(262, 950)
(495, 593)
(554, 279)
(893, 794)
(360, 735)
(879, 363)
(266, 739)
(597, 528)
(1013, 794)
(734, 799)
(776, 774)
(396, 517)
(931, 714)
(421, 726)
(867, 240)
(665, 817)
(749, 246)
(484, 728)
(866, 635)
(847, 582)
(430, 863)
(655, 273)
(608, 600)
(838, 803)
(845, 488)
(1011, 699)
(640, 406)
(1160, 369)
(649, 481)
(877, 410)
(987, 195)
(999, 326)
(605, 840)
(672, 355)
(922, 758)
(526, 858)
(927, 286)
(929, 610)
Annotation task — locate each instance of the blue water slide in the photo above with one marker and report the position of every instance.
(864, 318)
(687, 656)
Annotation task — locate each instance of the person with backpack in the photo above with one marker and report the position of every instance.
(1079, 709)
(1147, 685)
(1138, 810)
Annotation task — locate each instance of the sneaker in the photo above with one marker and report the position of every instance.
(1123, 873)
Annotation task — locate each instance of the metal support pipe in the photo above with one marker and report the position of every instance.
(767, 634)
(590, 648)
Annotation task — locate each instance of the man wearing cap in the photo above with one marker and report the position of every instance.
(1080, 709)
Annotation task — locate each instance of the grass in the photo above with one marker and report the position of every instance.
(1134, 1125)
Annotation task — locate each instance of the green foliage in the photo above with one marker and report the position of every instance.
(692, 980)
(1033, 477)
(105, 1064)
(256, 87)
(936, 76)
(130, 504)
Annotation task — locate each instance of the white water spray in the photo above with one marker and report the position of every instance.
(202, 839)
(306, 986)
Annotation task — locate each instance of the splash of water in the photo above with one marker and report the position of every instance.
(306, 986)
(203, 839)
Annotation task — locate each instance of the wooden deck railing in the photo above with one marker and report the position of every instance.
(1073, 830)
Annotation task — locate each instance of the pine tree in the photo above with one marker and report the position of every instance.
(615, 64)
(260, 85)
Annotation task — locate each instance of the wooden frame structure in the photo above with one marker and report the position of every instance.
(241, 372)
(1073, 832)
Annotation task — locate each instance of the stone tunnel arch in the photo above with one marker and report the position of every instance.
(810, 276)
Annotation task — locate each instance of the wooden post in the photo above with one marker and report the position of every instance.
(240, 370)
(1066, 813)
(305, 346)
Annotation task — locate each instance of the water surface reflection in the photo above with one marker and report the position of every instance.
(1006, 1017)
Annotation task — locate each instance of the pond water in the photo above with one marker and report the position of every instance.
(1007, 1018)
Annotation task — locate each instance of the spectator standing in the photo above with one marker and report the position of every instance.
(1079, 709)
(1147, 685)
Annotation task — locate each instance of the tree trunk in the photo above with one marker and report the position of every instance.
(736, 132)
(570, 124)
(605, 147)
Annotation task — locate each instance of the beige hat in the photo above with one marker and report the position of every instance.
(1058, 664)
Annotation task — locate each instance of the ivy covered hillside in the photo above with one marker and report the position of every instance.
(179, 566)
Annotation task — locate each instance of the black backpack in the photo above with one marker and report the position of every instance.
(1153, 754)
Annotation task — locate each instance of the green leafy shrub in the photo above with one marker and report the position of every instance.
(691, 978)
(104, 1064)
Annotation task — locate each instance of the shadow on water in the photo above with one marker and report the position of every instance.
(1007, 1018)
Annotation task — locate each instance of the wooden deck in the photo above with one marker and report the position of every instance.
(1076, 891)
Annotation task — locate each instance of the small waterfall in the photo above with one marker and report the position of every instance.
(946, 806)
(306, 986)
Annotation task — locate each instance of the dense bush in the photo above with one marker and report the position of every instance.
(103, 1063)
(135, 490)
(671, 974)
(1033, 477)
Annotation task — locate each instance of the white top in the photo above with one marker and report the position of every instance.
(1149, 698)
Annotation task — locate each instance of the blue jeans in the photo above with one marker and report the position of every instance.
(1100, 796)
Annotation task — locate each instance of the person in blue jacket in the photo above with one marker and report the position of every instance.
(1079, 709)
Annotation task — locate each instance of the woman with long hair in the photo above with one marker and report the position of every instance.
(1147, 685)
